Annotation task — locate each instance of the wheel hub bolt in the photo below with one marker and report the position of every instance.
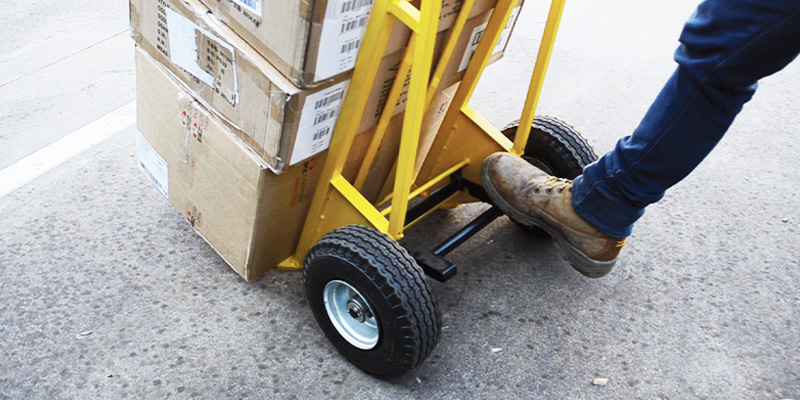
(356, 310)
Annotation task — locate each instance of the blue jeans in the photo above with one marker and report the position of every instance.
(726, 47)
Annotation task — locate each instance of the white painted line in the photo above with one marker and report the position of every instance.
(53, 155)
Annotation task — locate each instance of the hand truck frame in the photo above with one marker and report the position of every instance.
(367, 292)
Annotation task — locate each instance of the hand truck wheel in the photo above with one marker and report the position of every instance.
(556, 148)
(370, 299)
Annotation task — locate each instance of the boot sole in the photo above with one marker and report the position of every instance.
(576, 258)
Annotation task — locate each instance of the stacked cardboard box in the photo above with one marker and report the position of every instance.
(284, 124)
(251, 216)
(313, 41)
(235, 115)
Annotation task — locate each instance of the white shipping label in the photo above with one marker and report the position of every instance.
(152, 164)
(317, 121)
(254, 6)
(477, 34)
(204, 55)
(342, 31)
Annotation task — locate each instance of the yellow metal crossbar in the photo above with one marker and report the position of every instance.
(361, 204)
(407, 13)
(433, 182)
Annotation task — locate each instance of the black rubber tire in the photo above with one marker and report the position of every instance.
(555, 147)
(409, 323)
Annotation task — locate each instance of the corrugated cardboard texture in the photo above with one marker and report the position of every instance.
(280, 33)
(246, 92)
(249, 215)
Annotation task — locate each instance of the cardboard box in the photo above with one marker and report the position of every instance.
(281, 123)
(312, 41)
(250, 216)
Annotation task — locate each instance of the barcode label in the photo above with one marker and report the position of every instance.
(342, 31)
(328, 100)
(477, 35)
(324, 117)
(477, 38)
(349, 25)
(253, 6)
(506, 34)
(355, 5)
(151, 163)
(322, 133)
(153, 178)
(350, 47)
(317, 121)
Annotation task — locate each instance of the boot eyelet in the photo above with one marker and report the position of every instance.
(549, 191)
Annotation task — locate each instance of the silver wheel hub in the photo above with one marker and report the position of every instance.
(357, 311)
(351, 314)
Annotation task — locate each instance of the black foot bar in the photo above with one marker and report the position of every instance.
(432, 261)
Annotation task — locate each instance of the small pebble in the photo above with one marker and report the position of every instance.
(496, 350)
(600, 381)
(83, 334)
(785, 219)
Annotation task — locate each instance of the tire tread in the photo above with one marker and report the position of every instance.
(401, 282)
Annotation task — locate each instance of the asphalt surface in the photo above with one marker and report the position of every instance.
(105, 291)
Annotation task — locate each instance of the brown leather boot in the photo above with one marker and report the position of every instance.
(529, 196)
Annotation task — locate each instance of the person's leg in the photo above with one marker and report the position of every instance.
(726, 47)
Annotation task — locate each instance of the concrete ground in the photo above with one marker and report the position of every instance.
(107, 293)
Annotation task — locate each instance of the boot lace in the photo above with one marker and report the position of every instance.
(554, 183)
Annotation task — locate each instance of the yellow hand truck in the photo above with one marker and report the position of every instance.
(368, 293)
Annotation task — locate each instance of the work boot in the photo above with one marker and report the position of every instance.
(531, 197)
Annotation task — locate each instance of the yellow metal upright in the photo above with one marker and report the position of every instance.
(464, 140)
(537, 79)
(412, 122)
(336, 201)
(386, 116)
